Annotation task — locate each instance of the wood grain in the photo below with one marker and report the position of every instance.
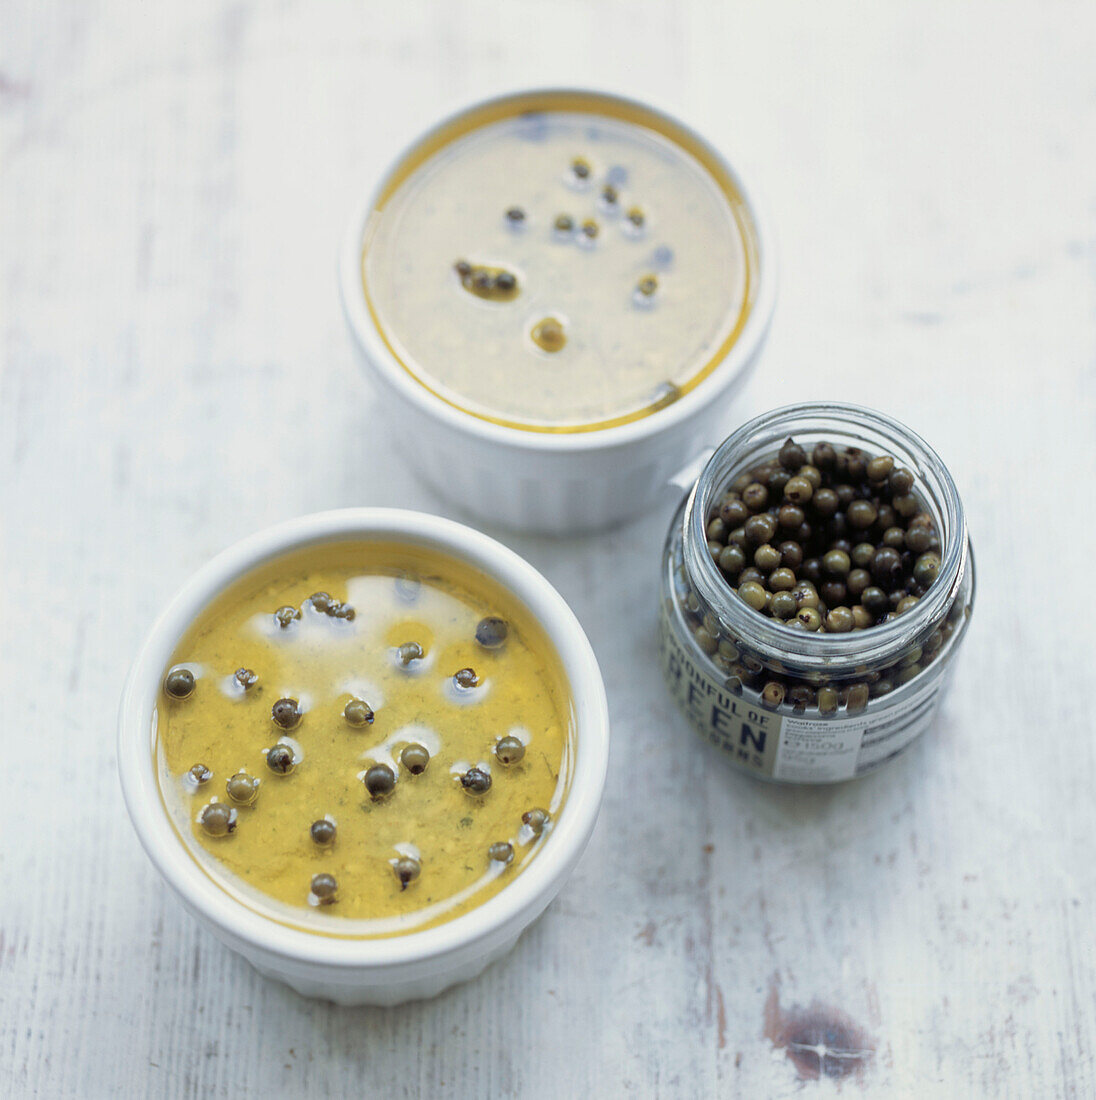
(174, 179)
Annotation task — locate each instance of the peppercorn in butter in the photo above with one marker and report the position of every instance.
(559, 262)
(364, 738)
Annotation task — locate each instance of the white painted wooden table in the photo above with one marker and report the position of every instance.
(174, 178)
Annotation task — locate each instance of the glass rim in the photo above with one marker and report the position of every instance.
(813, 651)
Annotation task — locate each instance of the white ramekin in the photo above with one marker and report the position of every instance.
(554, 482)
(369, 971)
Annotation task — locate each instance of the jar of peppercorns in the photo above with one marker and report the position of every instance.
(816, 587)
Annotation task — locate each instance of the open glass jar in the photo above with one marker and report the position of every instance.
(794, 705)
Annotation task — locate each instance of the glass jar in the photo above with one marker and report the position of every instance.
(841, 704)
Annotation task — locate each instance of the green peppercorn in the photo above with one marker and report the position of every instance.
(792, 456)
(286, 615)
(731, 559)
(839, 620)
(823, 456)
(858, 697)
(772, 694)
(636, 217)
(827, 700)
(812, 474)
(926, 569)
(244, 678)
(536, 819)
(861, 514)
(755, 496)
(321, 601)
(855, 463)
(733, 513)
(515, 215)
(791, 554)
(825, 502)
(766, 558)
(179, 682)
(501, 852)
(414, 758)
(879, 468)
(801, 697)
(857, 581)
(886, 566)
(781, 580)
(810, 570)
(281, 759)
(760, 529)
(476, 781)
(806, 595)
(323, 832)
(901, 482)
(564, 223)
(905, 604)
(217, 819)
(408, 653)
(491, 633)
(809, 616)
(286, 713)
(199, 774)
(509, 750)
(861, 617)
(753, 594)
(242, 788)
(895, 538)
(798, 490)
(406, 869)
(874, 599)
(325, 889)
(836, 563)
(782, 605)
(380, 781)
(919, 539)
(790, 517)
(358, 713)
(465, 679)
(833, 592)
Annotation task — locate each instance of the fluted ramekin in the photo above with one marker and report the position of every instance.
(555, 482)
(360, 970)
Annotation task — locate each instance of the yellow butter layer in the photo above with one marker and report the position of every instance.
(398, 595)
(602, 216)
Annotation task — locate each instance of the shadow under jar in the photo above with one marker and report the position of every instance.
(796, 705)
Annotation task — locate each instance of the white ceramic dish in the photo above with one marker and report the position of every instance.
(566, 481)
(368, 971)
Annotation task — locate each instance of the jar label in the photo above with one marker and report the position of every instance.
(792, 748)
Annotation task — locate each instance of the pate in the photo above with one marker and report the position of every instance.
(364, 738)
(565, 268)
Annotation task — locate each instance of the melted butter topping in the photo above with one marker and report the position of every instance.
(397, 626)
